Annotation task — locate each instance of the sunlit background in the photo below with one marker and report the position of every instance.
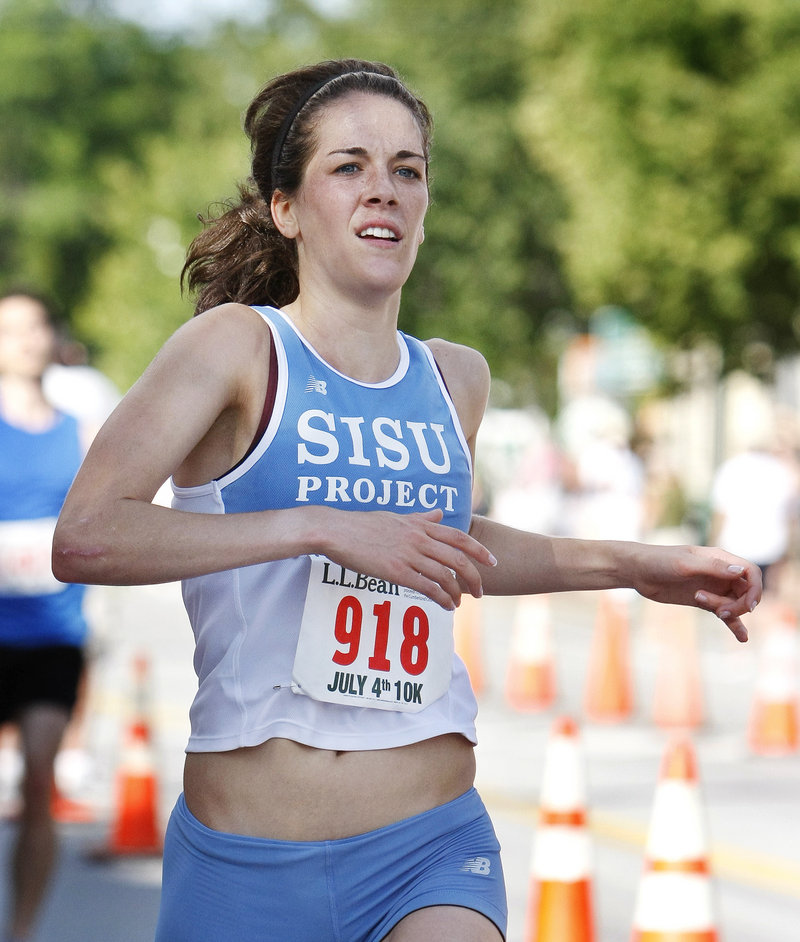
(615, 224)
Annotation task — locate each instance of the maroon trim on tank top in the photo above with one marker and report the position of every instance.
(441, 374)
(269, 405)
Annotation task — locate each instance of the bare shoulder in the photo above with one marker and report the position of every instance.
(228, 326)
(213, 362)
(194, 404)
(221, 345)
(467, 376)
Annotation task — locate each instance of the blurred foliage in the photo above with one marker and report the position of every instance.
(587, 152)
(75, 95)
(674, 133)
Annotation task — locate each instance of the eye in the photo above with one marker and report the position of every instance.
(347, 168)
(409, 172)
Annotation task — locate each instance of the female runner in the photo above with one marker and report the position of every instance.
(321, 462)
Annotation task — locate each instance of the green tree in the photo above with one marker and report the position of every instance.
(586, 153)
(124, 138)
(673, 131)
(133, 300)
(487, 274)
(75, 93)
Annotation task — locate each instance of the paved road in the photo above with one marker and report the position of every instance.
(751, 802)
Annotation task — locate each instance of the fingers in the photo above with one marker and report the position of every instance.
(415, 550)
(743, 594)
(455, 560)
(445, 583)
(460, 540)
(734, 589)
(723, 608)
(747, 581)
(447, 564)
(440, 588)
(738, 629)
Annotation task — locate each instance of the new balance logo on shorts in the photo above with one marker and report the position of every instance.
(317, 385)
(481, 865)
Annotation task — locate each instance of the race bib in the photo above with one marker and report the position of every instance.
(25, 551)
(367, 642)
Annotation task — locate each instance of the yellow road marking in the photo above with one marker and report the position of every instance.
(753, 868)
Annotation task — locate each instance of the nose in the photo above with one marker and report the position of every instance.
(380, 189)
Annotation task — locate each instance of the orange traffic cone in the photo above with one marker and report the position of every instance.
(467, 639)
(560, 906)
(135, 829)
(773, 728)
(530, 678)
(674, 900)
(678, 691)
(609, 696)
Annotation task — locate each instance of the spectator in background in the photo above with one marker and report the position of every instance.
(75, 387)
(42, 626)
(754, 502)
(605, 477)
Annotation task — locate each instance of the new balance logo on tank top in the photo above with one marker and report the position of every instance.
(304, 648)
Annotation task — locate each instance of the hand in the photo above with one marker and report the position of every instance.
(414, 550)
(706, 578)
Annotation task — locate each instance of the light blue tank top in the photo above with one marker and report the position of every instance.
(332, 441)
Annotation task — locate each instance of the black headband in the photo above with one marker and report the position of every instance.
(302, 101)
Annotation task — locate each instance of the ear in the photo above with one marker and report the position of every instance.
(282, 211)
(421, 234)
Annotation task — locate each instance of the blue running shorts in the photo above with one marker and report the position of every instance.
(226, 886)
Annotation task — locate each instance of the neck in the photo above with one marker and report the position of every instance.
(22, 402)
(359, 341)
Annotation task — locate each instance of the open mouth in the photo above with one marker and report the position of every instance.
(378, 232)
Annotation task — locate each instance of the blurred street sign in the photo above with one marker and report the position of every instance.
(627, 360)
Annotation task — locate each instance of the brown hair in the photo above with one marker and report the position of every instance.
(240, 255)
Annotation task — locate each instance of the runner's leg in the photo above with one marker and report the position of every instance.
(445, 924)
(41, 728)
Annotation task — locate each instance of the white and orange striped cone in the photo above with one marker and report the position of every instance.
(560, 906)
(678, 690)
(774, 729)
(609, 692)
(468, 640)
(674, 900)
(135, 830)
(531, 676)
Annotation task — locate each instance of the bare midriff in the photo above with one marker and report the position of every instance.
(284, 790)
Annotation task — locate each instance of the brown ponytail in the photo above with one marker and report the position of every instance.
(240, 256)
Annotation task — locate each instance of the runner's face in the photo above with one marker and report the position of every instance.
(358, 216)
